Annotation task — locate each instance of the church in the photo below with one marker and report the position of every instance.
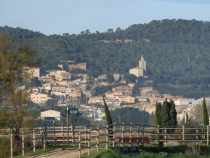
(139, 71)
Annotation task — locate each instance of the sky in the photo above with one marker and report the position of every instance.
(74, 16)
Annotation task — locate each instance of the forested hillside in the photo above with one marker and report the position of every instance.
(177, 52)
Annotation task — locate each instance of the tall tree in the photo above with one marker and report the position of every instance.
(107, 113)
(108, 119)
(166, 114)
(205, 113)
(12, 74)
(173, 114)
(158, 113)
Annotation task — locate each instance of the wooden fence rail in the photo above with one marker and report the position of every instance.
(114, 136)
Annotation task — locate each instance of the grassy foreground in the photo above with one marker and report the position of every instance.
(155, 152)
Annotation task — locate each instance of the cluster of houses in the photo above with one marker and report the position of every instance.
(70, 85)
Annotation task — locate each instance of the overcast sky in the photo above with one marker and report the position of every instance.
(73, 16)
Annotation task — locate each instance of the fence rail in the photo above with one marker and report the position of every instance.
(116, 135)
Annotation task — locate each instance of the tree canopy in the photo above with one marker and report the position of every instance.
(205, 113)
(179, 49)
(12, 74)
(166, 115)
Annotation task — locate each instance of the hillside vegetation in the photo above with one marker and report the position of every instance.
(177, 52)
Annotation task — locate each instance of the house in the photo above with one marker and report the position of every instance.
(39, 98)
(185, 101)
(79, 66)
(62, 76)
(58, 90)
(32, 72)
(73, 92)
(122, 90)
(129, 99)
(148, 91)
(51, 114)
(95, 99)
(200, 101)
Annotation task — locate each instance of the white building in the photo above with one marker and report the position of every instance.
(139, 71)
(200, 101)
(51, 114)
(185, 101)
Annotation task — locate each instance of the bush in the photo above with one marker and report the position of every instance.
(4, 148)
(109, 154)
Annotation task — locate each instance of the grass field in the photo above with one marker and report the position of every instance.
(155, 152)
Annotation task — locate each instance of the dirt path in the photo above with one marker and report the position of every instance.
(61, 154)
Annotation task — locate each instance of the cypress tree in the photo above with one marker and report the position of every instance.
(173, 114)
(108, 119)
(107, 113)
(205, 113)
(158, 114)
(165, 113)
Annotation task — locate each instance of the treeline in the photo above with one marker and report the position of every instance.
(177, 51)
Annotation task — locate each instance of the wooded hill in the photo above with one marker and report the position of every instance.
(177, 52)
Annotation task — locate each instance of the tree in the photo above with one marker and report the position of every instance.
(110, 31)
(107, 114)
(4, 117)
(108, 119)
(158, 118)
(35, 82)
(158, 113)
(129, 115)
(205, 113)
(166, 114)
(110, 78)
(12, 64)
(173, 114)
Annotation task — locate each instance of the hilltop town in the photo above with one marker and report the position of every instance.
(70, 87)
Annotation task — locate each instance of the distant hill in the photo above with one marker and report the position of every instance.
(177, 52)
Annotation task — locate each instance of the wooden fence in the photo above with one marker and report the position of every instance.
(114, 136)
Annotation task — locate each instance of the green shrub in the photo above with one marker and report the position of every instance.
(4, 148)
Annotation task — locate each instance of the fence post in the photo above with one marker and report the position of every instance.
(88, 142)
(113, 139)
(183, 133)
(44, 139)
(207, 136)
(54, 132)
(79, 144)
(196, 137)
(23, 144)
(97, 140)
(107, 137)
(165, 137)
(142, 135)
(63, 135)
(34, 141)
(158, 134)
(11, 144)
(85, 135)
(138, 135)
(122, 135)
(130, 131)
(67, 132)
(72, 129)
